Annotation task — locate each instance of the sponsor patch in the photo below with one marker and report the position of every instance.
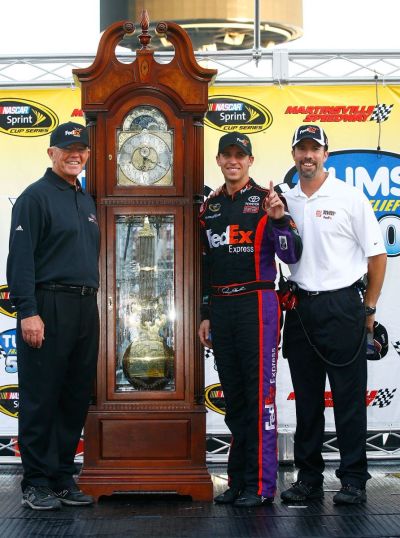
(231, 236)
(326, 214)
(214, 207)
(283, 242)
(270, 422)
(252, 205)
(251, 208)
(9, 400)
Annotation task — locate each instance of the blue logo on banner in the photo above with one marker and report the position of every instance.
(8, 350)
(377, 174)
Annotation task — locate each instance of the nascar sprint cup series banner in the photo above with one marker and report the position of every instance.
(356, 124)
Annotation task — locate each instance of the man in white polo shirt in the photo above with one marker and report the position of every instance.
(326, 333)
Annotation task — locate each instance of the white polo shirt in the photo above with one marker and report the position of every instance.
(339, 232)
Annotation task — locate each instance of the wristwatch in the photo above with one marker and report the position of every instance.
(370, 310)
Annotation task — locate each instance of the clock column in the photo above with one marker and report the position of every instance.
(146, 431)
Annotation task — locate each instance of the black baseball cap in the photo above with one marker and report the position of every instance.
(381, 342)
(69, 133)
(235, 139)
(315, 132)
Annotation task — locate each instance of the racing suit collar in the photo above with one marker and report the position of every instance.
(249, 185)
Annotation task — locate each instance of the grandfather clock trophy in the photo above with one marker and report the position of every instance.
(146, 429)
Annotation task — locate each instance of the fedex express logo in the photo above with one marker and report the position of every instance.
(231, 236)
(373, 398)
(377, 174)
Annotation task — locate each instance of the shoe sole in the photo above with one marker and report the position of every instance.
(35, 507)
(255, 505)
(356, 501)
(221, 500)
(302, 499)
(75, 503)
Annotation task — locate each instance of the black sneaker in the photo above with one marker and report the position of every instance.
(248, 499)
(350, 495)
(40, 498)
(302, 491)
(227, 497)
(73, 496)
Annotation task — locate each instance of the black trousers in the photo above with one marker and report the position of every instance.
(335, 325)
(245, 332)
(55, 385)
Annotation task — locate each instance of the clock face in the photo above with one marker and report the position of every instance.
(145, 158)
(145, 148)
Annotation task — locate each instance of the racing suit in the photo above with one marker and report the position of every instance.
(239, 246)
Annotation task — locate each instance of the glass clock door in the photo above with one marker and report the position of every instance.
(145, 325)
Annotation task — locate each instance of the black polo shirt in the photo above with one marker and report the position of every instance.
(54, 238)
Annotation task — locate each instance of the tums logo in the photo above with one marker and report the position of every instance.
(20, 117)
(8, 350)
(229, 113)
(377, 174)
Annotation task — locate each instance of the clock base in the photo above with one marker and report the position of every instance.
(195, 483)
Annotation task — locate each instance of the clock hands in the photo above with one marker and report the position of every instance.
(145, 158)
(144, 167)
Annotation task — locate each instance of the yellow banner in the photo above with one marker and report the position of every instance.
(345, 112)
(26, 119)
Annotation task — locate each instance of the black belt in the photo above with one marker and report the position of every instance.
(312, 293)
(245, 287)
(82, 290)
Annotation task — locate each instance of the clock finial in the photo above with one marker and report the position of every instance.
(144, 37)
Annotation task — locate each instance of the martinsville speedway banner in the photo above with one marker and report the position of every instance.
(356, 124)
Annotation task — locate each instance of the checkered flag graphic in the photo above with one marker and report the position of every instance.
(383, 398)
(208, 354)
(396, 346)
(3, 354)
(381, 113)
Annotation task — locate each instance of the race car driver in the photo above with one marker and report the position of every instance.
(243, 227)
